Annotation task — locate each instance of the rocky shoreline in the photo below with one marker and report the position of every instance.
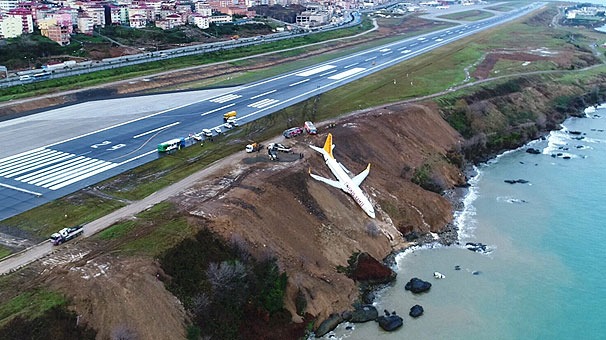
(365, 311)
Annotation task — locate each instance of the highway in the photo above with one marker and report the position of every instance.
(72, 160)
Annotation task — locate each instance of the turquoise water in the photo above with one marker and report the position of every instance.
(544, 276)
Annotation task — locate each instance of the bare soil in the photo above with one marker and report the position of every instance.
(277, 209)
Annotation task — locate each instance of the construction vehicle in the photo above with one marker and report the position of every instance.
(273, 154)
(279, 147)
(229, 115)
(66, 234)
(254, 147)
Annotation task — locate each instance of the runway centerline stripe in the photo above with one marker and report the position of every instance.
(263, 94)
(218, 109)
(155, 130)
(299, 82)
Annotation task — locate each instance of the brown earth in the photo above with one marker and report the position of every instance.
(278, 209)
(313, 228)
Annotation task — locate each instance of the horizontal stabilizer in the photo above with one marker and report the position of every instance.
(330, 182)
(361, 176)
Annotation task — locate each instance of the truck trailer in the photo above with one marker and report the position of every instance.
(66, 234)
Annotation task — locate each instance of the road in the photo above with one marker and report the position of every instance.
(35, 176)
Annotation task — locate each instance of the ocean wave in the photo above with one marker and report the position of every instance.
(345, 328)
(589, 110)
(593, 140)
(400, 256)
(556, 140)
(464, 219)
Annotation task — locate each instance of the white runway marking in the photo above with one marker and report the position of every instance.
(218, 109)
(263, 103)
(347, 73)
(263, 94)
(225, 98)
(299, 82)
(51, 169)
(315, 70)
(156, 130)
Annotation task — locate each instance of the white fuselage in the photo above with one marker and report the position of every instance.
(349, 186)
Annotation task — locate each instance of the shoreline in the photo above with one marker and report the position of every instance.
(457, 196)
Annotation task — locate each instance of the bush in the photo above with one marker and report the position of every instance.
(55, 323)
(221, 285)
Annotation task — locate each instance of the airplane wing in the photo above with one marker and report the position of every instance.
(361, 176)
(344, 168)
(330, 182)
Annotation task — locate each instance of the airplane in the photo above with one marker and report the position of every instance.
(344, 182)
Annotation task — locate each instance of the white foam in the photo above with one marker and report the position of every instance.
(464, 219)
(556, 140)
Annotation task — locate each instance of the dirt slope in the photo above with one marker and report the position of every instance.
(311, 227)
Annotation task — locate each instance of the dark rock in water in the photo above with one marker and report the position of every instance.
(417, 285)
(457, 267)
(578, 138)
(553, 155)
(514, 181)
(349, 328)
(566, 157)
(416, 311)
(476, 272)
(368, 297)
(367, 269)
(477, 247)
(363, 314)
(559, 154)
(533, 151)
(390, 323)
(543, 138)
(328, 325)
(579, 146)
(572, 132)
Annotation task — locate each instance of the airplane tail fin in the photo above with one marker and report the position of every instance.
(328, 145)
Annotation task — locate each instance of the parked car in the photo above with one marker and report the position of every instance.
(292, 132)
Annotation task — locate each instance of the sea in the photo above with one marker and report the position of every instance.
(543, 275)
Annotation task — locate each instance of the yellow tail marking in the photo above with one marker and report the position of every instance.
(328, 145)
